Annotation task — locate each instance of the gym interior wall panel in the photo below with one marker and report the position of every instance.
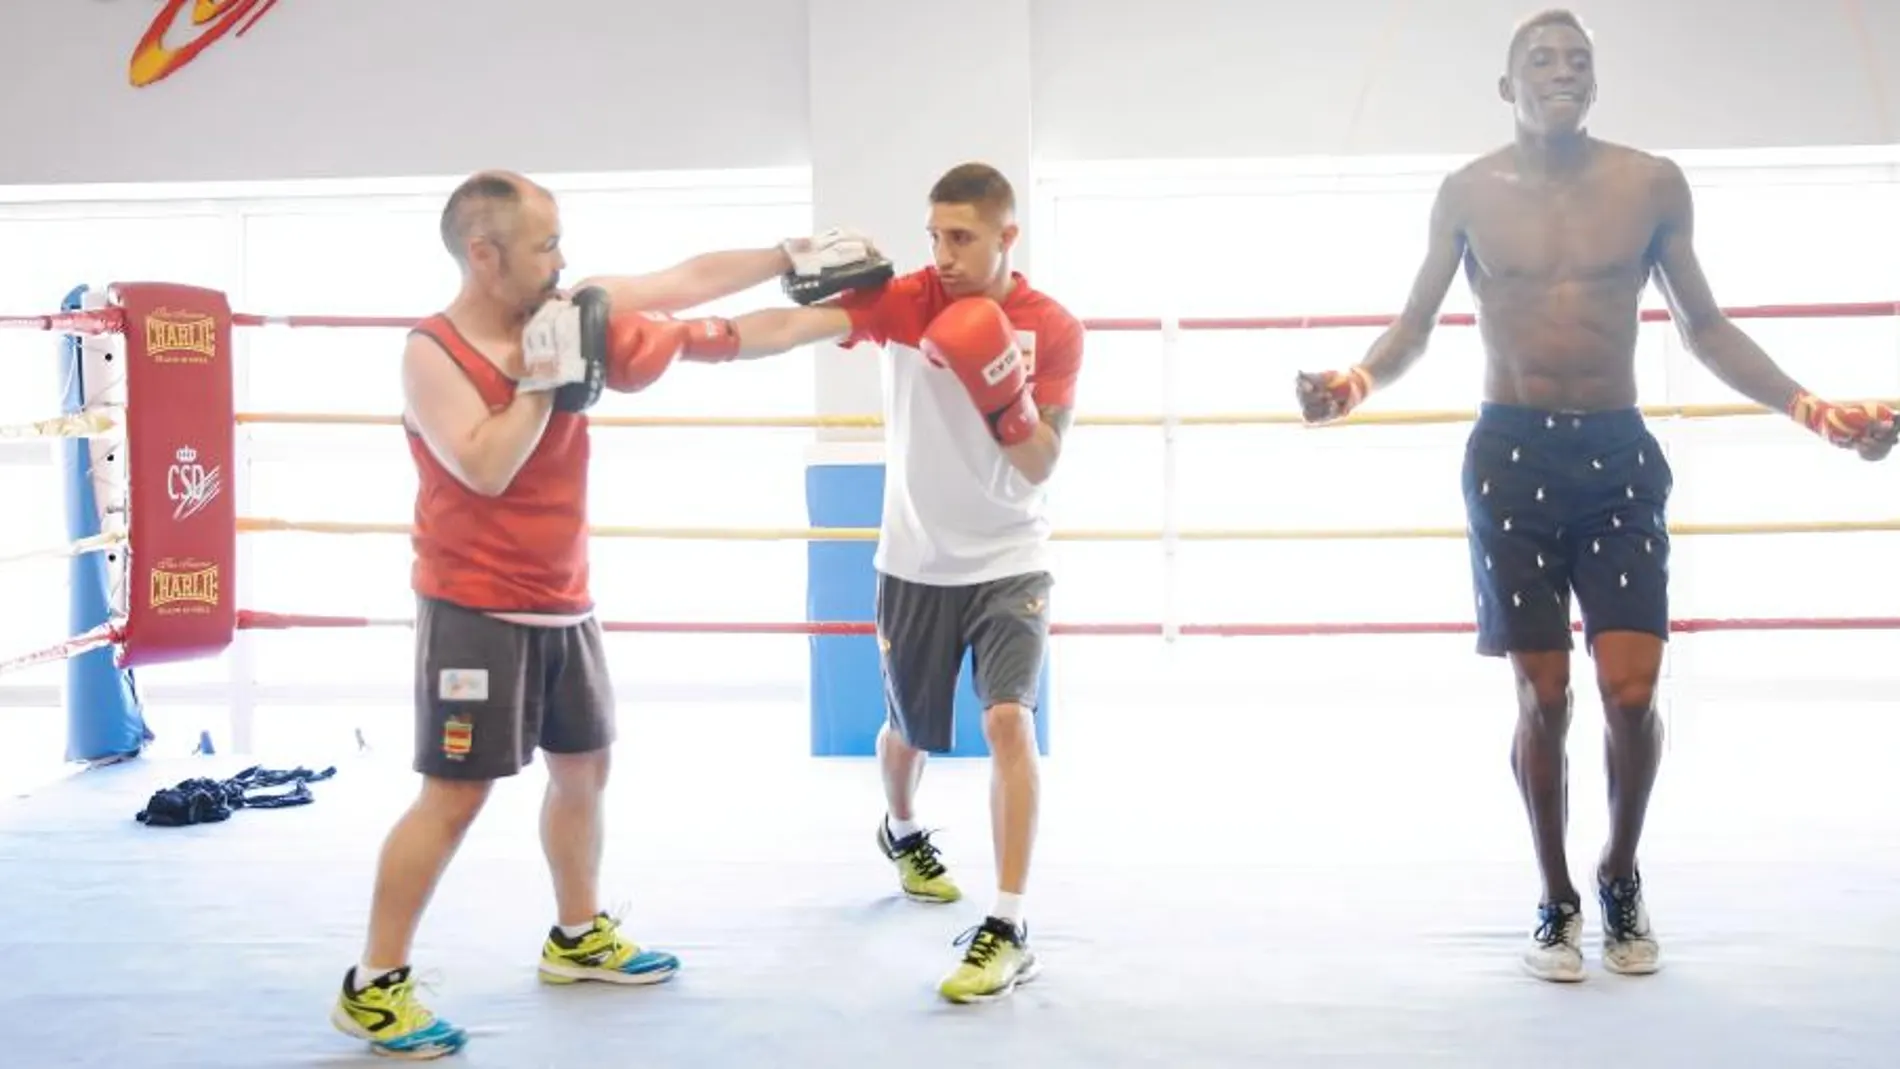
(1127, 79)
(370, 88)
(359, 88)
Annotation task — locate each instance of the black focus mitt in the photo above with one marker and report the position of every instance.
(590, 308)
(832, 263)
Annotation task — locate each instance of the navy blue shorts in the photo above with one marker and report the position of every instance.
(1563, 502)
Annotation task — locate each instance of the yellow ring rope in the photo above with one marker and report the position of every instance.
(260, 525)
(92, 422)
(79, 547)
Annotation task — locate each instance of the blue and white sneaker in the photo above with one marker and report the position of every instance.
(603, 954)
(1629, 945)
(1556, 950)
(387, 1015)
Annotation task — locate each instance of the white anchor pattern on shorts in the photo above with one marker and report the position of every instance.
(1560, 504)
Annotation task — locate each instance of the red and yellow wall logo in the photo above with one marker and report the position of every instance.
(153, 59)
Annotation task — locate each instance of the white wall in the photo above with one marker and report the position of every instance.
(1395, 77)
(876, 152)
(373, 88)
(322, 88)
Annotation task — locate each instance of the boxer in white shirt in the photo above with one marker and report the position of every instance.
(979, 383)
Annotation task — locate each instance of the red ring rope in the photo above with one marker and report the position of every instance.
(103, 635)
(112, 320)
(107, 321)
(93, 321)
(1858, 310)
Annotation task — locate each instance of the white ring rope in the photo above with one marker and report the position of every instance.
(95, 544)
(88, 423)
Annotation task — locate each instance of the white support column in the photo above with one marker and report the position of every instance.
(1170, 482)
(901, 93)
(243, 659)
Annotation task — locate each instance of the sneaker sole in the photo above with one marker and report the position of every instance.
(577, 974)
(1025, 975)
(1639, 969)
(347, 1025)
(1554, 977)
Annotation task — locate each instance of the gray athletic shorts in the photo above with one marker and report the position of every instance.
(923, 632)
(489, 692)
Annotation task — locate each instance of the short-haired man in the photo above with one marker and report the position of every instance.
(509, 658)
(979, 385)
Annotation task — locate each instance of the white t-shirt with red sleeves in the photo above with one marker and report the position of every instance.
(956, 511)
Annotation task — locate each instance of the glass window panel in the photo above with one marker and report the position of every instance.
(1298, 247)
(640, 477)
(47, 257)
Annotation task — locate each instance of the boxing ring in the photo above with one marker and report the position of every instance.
(1304, 891)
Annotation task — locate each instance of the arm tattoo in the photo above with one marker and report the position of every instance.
(1058, 417)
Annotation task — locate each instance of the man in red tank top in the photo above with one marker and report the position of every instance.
(508, 654)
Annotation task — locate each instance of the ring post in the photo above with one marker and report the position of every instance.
(844, 487)
(180, 433)
(105, 720)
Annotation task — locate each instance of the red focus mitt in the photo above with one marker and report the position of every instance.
(974, 339)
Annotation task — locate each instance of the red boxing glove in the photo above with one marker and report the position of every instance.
(1842, 425)
(641, 346)
(973, 338)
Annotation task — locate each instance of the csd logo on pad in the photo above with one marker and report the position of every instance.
(1000, 368)
(1023, 352)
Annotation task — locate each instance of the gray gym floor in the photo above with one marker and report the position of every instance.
(1273, 882)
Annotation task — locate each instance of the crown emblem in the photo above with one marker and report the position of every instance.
(187, 455)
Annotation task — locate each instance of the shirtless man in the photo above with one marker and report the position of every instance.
(509, 657)
(1565, 489)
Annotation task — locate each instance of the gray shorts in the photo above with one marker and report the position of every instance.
(489, 692)
(923, 632)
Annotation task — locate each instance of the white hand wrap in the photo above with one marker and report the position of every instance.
(551, 353)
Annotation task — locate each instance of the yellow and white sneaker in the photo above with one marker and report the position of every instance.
(387, 1015)
(998, 960)
(920, 869)
(603, 954)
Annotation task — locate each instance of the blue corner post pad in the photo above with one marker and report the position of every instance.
(847, 689)
(105, 721)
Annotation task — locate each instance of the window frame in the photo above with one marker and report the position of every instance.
(1063, 184)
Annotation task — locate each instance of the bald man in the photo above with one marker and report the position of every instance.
(508, 653)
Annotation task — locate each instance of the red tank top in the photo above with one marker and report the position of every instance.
(524, 551)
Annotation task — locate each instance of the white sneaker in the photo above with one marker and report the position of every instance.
(1629, 946)
(1556, 950)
